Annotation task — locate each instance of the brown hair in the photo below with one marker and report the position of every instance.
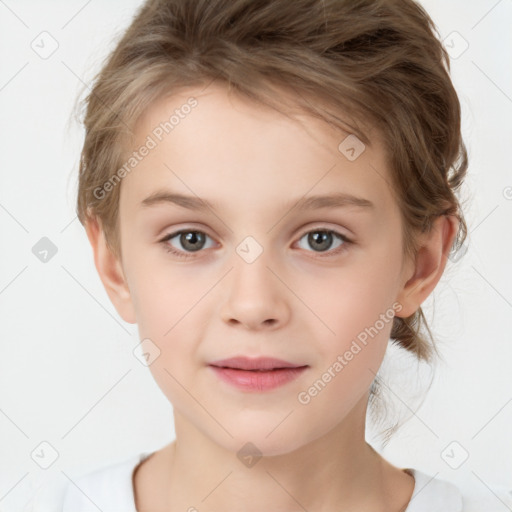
(376, 61)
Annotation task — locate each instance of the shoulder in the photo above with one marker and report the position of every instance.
(433, 494)
(491, 498)
(108, 488)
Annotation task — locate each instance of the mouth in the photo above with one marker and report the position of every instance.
(262, 364)
(256, 375)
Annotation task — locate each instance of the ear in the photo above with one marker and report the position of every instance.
(110, 271)
(429, 266)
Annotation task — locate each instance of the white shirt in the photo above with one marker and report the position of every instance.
(110, 489)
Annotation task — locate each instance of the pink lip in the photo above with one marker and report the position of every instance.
(255, 363)
(257, 374)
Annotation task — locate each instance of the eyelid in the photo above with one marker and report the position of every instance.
(346, 244)
(173, 234)
(347, 241)
(185, 226)
(324, 226)
(184, 255)
(186, 229)
(320, 226)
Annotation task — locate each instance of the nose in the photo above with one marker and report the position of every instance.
(256, 296)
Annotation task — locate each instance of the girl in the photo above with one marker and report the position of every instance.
(269, 188)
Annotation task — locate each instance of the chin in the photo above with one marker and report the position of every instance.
(256, 441)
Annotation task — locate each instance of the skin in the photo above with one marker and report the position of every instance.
(291, 303)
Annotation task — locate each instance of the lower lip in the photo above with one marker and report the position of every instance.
(258, 380)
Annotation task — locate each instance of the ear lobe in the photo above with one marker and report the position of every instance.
(110, 271)
(429, 266)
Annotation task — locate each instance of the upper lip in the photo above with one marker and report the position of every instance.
(255, 363)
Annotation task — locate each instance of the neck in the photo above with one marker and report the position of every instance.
(335, 471)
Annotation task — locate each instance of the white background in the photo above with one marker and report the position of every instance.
(67, 372)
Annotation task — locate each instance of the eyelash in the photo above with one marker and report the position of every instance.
(325, 254)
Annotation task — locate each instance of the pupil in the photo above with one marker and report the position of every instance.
(323, 238)
(189, 240)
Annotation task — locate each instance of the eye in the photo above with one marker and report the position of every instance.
(321, 241)
(190, 241)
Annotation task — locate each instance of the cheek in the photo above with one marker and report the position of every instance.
(169, 312)
(349, 299)
(348, 360)
(356, 306)
(164, 294)
(172, 311)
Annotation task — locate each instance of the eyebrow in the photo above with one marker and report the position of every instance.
(195, 203)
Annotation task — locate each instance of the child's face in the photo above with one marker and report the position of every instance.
(302, 300)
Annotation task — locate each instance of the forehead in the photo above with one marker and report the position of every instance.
(214, 144)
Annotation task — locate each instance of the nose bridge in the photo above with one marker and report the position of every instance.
(255, 296)
(251, 264)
